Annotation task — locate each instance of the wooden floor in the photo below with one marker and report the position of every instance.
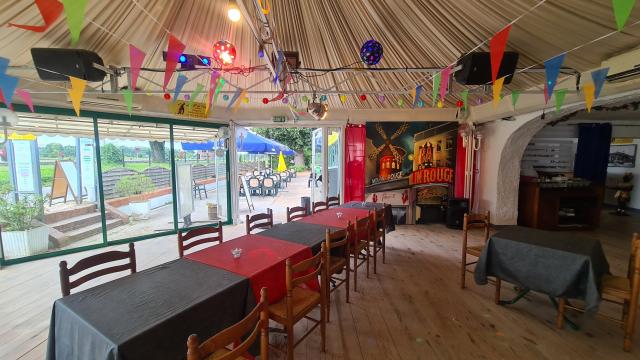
(413, 308)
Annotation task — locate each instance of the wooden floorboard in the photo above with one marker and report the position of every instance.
(412, 309)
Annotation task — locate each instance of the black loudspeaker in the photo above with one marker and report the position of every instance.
(455, 212)
(63, 63)
(476, 68)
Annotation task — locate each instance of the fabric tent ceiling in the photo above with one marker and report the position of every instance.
(328, 34)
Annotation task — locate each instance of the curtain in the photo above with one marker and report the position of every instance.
(592, 155)
(460, 169)
(354, 161)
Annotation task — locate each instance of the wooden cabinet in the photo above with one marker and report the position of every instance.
(559, 208)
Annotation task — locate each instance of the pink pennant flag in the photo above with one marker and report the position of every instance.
(496, 47)
(213, 84)
(26, 97)
(136, 56)
(283, 91)
(174, 50)
(444, 82)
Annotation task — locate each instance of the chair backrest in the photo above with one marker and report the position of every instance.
(296, 212)
(303, 272)
(363, 228)
(202, 235)
(268, 182)
(634, 258)
(257, 322)
(318, 206)
(254, 182)
(256, 172)
(379, 219)
(338, 239)
(66, 284)
(333, 201)
(475, 220)
(259, 221)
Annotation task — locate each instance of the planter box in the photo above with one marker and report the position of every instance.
(139, 210)
(18, 244)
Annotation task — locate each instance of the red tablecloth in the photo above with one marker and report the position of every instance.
(329, 218)
(263, 261)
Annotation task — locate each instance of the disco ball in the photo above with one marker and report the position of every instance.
(371, 52)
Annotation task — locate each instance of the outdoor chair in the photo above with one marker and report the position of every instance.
(255, 188)
(199, 189)
(284, 177)
(295, 213)
(259, 221)
(333, 201)
(269, 187)
(243, 333)
(294, 173)
(337, 261)
(202, 235)
(256, 172)
(319, 206)
(471, 221)
(66, 284)
(313, 179)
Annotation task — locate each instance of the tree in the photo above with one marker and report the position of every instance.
(111, 154)
(157, 151)
(298, 139)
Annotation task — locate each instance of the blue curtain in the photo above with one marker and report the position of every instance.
(592, 156)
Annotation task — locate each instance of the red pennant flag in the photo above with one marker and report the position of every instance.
(496, 47)
(136, 56)
(174, 50)
(50, 11)
(2, 100)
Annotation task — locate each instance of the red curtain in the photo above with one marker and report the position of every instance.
(354, 153)
(461, 164)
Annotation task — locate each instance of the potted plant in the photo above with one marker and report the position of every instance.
(22, 234)
(135, 187)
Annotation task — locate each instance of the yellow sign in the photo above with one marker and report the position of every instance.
(622, 141)
(182, 108)
(16, 136)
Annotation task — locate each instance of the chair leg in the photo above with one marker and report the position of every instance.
(463, 270)
(323, 324)
(560, 315)
(328, 298)
(355, 272)
(290, 341)
(630, 326)
(348, 276)
(497, 291)
(368, 255)
(384, 247)
(375, 256)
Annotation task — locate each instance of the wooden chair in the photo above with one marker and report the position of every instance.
(259, 221)
(333, 201)
(318, 206)
(295, 213)
(474, 221)
(378, 238)
(362, 237)
(620, 290)
(337, 242)
(202, 235)
(299, 301)
(215, 348)
(99, 259)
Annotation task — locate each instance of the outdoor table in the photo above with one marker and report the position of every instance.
(388, 212)
(149, 314)
(558, 264)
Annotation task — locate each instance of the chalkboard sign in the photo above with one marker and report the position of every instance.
(65, 176)
(184, 182)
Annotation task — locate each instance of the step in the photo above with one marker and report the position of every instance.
(76, 210)
(86, 231)
(76, 222)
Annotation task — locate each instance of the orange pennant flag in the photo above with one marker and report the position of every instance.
(243, 95)
(497, 89)
(76, 92)
(589, 91)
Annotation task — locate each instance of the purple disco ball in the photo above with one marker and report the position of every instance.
(371, 52)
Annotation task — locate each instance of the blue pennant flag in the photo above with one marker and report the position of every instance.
(234, 99)
(599, 76)
(4, 64)
(179, 85)
(416, 98)
(552, 70)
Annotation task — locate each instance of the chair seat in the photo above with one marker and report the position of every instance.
(303, 300)
(220, 353)
(336, 263)
(475, 250)
(616, 286)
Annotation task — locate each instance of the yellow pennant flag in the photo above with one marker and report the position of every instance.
(497, 89)
(243, 95)
(76, 92)
(589, 91)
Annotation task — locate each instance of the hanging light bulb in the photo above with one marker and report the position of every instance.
(234, 13)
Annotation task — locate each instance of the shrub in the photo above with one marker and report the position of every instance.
(20, 215)
(134, 185)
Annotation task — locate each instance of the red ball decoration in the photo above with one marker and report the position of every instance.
(460, 103)
(167, 96)
(265, 101)
(224, 52)
(363, 97)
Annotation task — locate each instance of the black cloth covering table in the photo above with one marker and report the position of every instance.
(311, 235)
(388, 212)
(558, 264)
(148, 315)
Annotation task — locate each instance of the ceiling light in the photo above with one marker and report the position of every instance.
(234, 14)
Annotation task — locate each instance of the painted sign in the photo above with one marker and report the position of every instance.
(87, 161)
(23, 168)
(182, 108)
(16, 136)
(431, 176)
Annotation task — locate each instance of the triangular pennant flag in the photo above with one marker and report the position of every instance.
(218, 89)
(4, 65)
(416, 94)
(560, 95)
(9, 106)
(74, 10)
(497, 89)
(174, 50)
(444, 83)
(552, 70)
(589, 91)
(436, 87)
(127, 94)
(213, 83)
(599, 76)
(465, 98)
(76, 92)
(235, 98)
(8, 86)
(241, 98)
(515, 95)
(283, 91)
(266, 8)
(50, 11)
(194, 94)
(26, 97)
(343, 98)
(496, 47)
(279, 66)
(622, 11)
(136, 56)
(180, 81)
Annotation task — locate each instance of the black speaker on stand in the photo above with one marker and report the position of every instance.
(456, 209)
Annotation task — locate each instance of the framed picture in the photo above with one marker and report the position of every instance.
(622, 156)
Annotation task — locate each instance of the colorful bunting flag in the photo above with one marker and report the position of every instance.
(76, 92)
(194, 94)
(465, 98)
(182, 79)
(589, 91)
(50, 11)
(4, 65)
(127, 94)
(136, 57)
(243, 95)
(497, 89)
(436, 87)
(213, 83)
(26, 97)
(552, 70)
(8, 86)
(175, 48)
(515, 95)
(560, 95)
(444, 84)
(496, 47)
(2, 100)
(343, 98)
(266, 8)
(218, 89)
(235, 98)
(279, 66)
(599, 76)
(622, 11)
(74, 11)
(416, 95)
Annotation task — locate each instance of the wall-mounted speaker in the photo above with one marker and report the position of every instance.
(476, 68)
(59, 64)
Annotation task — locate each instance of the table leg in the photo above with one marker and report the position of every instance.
(571, 324)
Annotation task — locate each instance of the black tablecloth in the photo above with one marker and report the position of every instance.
(148, 315)
(311, 235)
(388, 212)
(558, 264)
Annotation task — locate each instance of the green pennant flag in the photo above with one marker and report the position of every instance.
(194, 95)
(127, 94)
(465, 97)
(622, 11)
(436, 88)
(74, 10)
(560, 94)
(515, 95)
(217, 92)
